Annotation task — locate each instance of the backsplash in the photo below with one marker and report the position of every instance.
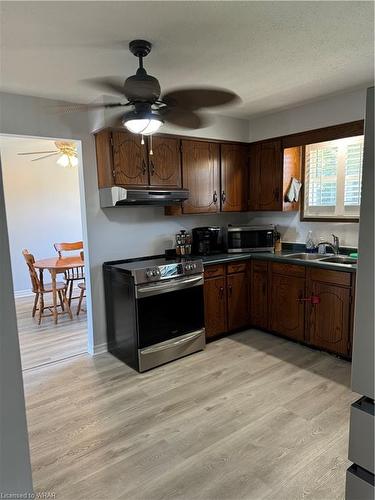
(294, 230)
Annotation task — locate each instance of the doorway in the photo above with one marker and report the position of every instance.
(43, 198)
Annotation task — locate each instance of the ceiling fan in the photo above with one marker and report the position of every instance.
(149, 110)
(67, 152)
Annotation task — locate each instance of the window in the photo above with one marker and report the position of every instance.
(333, 173)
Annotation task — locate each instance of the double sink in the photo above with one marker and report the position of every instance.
(332, 259)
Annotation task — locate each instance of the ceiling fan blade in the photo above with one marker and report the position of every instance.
(204, 97)
(183, 118)
(73, 108)
(109, 84)
(37, 153)
(47, 156)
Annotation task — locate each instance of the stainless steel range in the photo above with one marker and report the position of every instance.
(154, 310)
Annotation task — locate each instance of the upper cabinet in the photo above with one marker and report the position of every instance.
(234, 177)
(200, 172)
(129, 160)
(123, 161)
(271, 170)
(165, 162)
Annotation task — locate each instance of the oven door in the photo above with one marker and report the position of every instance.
(250, 240)
(171, 309)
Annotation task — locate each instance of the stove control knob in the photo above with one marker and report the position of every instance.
(149, 273)
(156, 272)
(188, 267)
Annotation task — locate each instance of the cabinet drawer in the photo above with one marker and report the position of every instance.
(236, 267)
(259, 266)
(215, 270)
(334, 277)
(288, 269)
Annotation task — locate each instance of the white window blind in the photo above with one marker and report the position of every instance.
(333, 173)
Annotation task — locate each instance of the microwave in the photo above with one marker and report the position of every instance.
(250, 239)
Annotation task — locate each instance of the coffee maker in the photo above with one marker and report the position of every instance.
(207, 240)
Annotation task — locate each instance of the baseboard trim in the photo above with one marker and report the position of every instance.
(23, 293)
(100, 348)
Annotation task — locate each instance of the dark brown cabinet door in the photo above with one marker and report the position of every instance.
(287, 310)
(329, 317)
(234, 177)
(200, 170)
(215, 306)
(259, 294)
(165, 162)
(129, 160)
(266, 176)
(238, 300)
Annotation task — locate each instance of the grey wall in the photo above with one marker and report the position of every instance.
(330, 111)
(15, 470)
(42, 203)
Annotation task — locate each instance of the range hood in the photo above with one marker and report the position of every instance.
(119, 196)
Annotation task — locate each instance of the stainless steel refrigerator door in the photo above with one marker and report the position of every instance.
(363, 338)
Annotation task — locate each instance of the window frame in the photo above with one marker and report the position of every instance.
(323, 135)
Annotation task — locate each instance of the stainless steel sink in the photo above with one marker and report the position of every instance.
(305, 256)
(339, 259)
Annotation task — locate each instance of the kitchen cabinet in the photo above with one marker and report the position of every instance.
(234, 177)
(259, 293)
(226, 298)
(329, 311)
(200, 172)
(165, 162)
(287, 303)
(123, 161)
(271, 170)
(215, 306)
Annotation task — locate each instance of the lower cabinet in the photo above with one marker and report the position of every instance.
(215, 306)
(287, 305)
(259, 293)
(225, 298)
(306, 304)
(330, 311)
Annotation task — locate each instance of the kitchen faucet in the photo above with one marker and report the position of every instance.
(335, 245)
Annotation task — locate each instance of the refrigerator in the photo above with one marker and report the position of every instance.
(360, 475)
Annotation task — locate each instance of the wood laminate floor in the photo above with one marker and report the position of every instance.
(252, 417)
(47, 342)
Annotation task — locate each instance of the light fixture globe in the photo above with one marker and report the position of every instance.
(143, 120)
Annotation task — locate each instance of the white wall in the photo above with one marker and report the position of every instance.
(42, 203)
(15, 469)
(330, 111)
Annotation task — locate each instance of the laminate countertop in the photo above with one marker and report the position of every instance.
(285, 256)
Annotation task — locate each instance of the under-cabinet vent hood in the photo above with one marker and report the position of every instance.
(118, 196)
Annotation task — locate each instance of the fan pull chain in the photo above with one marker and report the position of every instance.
(142, 140)
(151, 152)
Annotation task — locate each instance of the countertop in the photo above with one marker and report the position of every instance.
(284, 256)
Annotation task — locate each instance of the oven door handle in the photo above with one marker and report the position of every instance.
(173, 343)
(177, 284)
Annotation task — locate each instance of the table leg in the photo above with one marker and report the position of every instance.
(54, 294)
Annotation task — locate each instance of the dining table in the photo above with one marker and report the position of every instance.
(57, 265)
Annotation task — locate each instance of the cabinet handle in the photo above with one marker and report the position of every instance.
(144, 168)
(152, 170)
(221, 292)
(230, 290)
(314, 299)
(214, 197)
(223, 197)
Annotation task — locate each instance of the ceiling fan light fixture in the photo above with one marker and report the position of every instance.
(66, 160)
(142, 121)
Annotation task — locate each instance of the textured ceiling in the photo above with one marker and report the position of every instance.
(273, 54)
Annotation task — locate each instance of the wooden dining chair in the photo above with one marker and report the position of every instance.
(82, 287)
(75, 273)
(40, 289)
